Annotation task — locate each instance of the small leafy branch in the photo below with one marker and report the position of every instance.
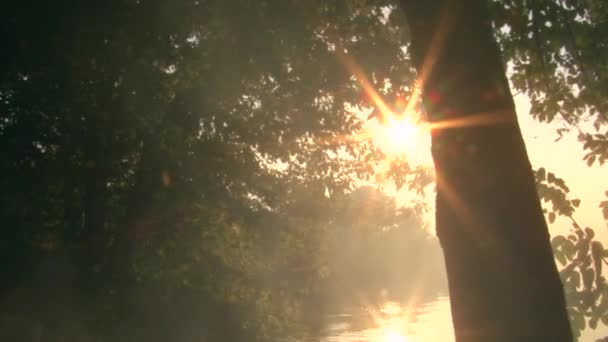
(580, 256)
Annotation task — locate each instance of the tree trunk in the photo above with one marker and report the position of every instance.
(503, 282)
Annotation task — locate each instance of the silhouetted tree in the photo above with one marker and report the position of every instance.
(504, 285)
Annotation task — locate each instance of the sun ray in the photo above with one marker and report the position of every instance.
(352, 66)
(471, 120)
(430, 59)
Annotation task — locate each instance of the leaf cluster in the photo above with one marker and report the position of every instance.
(580, 256)
(555, 51)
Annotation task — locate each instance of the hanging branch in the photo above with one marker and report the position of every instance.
(576, 53)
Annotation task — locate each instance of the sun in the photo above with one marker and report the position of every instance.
(391, 335)
(400, 133)
(396, 136)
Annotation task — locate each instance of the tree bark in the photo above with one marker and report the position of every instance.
(503, 282)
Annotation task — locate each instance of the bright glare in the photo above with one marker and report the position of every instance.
(401, 133)
(396, 136)
(391, 335)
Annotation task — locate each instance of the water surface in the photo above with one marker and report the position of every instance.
(392, 322)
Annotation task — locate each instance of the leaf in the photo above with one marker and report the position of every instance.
(569, 248)
(593, 323)
(551, 217)
(576, 202)
(597, 251)
(604, 206)
(557, 241)
(588, 277)
(541, 174)
(583, 250)
(576, 279)
(560, 257)
(560, 183)
(578, 321)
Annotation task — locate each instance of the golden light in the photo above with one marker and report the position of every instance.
(391, 335)
(392, 308)
(401, 134)
(396, 134)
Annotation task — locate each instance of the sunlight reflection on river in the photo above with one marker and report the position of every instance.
(393, 323)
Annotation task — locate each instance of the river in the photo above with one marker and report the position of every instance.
(392, 322)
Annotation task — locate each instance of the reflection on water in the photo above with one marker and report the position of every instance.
(393, 322)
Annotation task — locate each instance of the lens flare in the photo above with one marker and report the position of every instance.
(401, 134)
